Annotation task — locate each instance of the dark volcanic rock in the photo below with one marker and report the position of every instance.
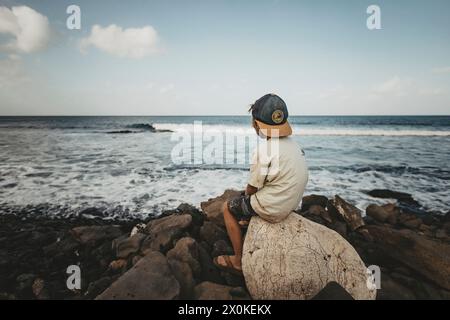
(313, 199)
(162, 232)
(402, 197)
(210, 232)
(427, 257)
(183, 261)
(320, 211)
(150, 279)
(392, 290)
(125, 246)
(91, 235)
(97, 287)
(350, 214)
(380, 214)
(213, 207)
(212, 291)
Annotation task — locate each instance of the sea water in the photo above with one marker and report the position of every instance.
(81, 162)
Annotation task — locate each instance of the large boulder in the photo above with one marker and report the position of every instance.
(126, 246)
(427, 257)
(348, 212)
(296, 258)
(150, 279)
(313, 200)
(213, 207)
(183, 260)
(162, 232)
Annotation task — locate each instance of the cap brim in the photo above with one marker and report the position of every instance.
(282, 130)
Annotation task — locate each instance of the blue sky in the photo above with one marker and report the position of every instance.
(216, 57)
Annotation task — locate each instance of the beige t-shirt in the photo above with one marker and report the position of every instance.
(280, 173)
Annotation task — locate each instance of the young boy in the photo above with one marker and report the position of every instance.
(278, 177)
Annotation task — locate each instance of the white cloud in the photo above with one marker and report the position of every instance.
(441, 70)
(30, 29)
(131, 43)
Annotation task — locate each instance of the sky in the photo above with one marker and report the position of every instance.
(216, 57)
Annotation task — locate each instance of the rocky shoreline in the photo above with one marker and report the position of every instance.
(172, 254)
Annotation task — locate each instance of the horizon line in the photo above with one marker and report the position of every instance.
(238, 115)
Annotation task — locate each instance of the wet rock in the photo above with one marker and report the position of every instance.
(150, 279)
(380, 214)
(197, 216)
(209, 272)
(313, 199)
(441, 234)
(65, 246)
(320, 211)
(211, 233)
(183, 261)
(162, 232)
(340, 227)
(92, 235)
(409, 220)
(213, 207)
(212, 291)
(392, 290)
(24, 285)
(126, 247)
(118, 265)
(297, 258)
(402, 197)
(425, 256)
(97, 287)
(350, 214)
(221, 247)
(135, 260)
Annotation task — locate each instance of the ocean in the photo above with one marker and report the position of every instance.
(117, 164)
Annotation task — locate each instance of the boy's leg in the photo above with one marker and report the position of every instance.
(234, 232)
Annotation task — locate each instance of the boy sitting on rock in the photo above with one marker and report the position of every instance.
(278, 177)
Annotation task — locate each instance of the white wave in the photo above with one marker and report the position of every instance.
(301, 131)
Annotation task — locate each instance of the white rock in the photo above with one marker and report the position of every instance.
(296, 258)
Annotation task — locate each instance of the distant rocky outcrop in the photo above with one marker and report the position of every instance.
(138, 127)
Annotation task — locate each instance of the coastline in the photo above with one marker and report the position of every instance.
(412, 250)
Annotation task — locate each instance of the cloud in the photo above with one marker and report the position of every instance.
(127, 43)
(29, 29)
(441, 70)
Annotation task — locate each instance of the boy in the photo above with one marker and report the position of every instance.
(278, 177)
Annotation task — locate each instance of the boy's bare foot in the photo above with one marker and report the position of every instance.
(229, 263)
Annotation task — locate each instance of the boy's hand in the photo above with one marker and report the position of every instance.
(244, 223)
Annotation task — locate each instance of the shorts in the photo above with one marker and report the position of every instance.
(241, 208)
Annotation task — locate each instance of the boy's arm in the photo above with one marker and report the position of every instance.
(250, 190)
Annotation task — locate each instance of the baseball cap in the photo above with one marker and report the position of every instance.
(270, 113)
